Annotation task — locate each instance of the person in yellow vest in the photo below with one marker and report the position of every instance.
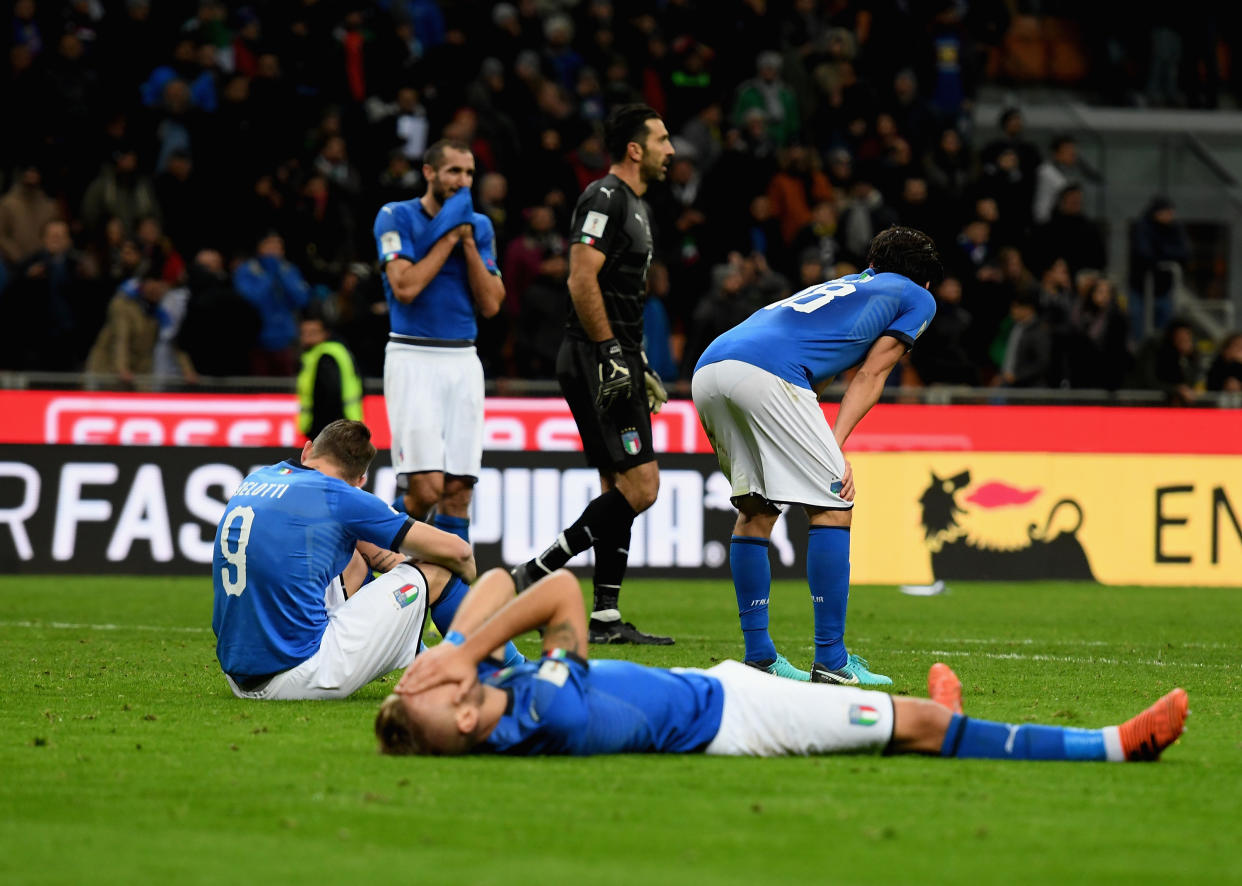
(328, 384)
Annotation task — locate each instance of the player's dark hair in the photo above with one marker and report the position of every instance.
(434, 155)
(348, 443)
(908, 252)
(394, 731)
(627, 123)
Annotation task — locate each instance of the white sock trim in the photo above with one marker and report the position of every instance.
(1113, 752)
(606, 615)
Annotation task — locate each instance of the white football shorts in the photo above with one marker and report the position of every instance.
(435, 408)
(373, 632)
(769, 716)
(770, 436)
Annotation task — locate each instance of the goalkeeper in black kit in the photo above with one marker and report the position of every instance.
(601, 367)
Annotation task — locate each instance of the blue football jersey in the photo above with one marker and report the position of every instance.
(823, 330)
(563, 705)
(287, 531)
(444, 309)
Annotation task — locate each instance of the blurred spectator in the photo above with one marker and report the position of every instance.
(1159, 247)
(1027, 351)
(120, 191)
(321, 231)
(798, 184)
(947, 167)
(770, 95)
(818, 238)
(940, 357)
(1057, 172)
(278, 291)
(215, 313)
(25, 211)
(329, 388)
(126, 344)
(704, 136)
(1004, 181)
(1172, 364)
(865, 215)
(1070, 235)
(657, 332)
(915, 119)
(1099, 350)
(536, 266)
(45, 303)
(739, 287)
(398, 180)
(1013, 125)
(158, 252)
(1226, 371)
(192, 215)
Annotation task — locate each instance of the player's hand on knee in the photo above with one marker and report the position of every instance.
(657, 396)
(847, 483)
(439, 665)
(612, 372)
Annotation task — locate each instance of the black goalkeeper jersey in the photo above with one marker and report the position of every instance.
(613, 219)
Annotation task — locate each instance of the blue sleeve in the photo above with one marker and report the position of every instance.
(392, 239)
(485, 239)
(294, 284)
(917, 309)
(370, 519)
(249, 283)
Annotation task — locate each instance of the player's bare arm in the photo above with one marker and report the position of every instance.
(867, 384)
(486, 288)
(425, 542)
(585, 263)
(378, 559)
(554, 602)
(408, 279)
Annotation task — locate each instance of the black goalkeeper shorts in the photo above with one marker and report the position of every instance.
(620, 438)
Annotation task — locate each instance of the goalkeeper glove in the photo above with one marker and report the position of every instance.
(613, 372)
(657, 396)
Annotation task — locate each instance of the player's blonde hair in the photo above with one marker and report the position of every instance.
(395, 732)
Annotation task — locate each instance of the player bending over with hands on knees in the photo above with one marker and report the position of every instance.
(756, 391)
(292, 616)
(563, 705)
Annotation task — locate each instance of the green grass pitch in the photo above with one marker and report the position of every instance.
(123, 758)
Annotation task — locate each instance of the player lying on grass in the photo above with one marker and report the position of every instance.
(292, 617)
(562, 705)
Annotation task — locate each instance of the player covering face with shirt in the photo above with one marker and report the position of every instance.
(562, 704)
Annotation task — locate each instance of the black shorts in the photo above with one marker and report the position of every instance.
(620, 438)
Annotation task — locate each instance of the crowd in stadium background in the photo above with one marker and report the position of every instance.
(196, 158)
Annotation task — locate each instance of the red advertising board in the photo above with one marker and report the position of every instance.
(545, 425)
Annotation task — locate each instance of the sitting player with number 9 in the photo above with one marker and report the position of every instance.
(755, 391)
(289, 551)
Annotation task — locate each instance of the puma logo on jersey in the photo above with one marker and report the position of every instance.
(607, 191)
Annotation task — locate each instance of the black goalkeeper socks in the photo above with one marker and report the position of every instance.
(607, 516)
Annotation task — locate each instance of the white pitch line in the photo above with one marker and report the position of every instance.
(73, 626)
(1071, 659)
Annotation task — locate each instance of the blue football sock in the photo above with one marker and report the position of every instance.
(459, 526)
(828, 576)
(752, 582)
(445, 608)
(967, 737)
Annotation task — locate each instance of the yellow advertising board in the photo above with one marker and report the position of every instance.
(1117, 519)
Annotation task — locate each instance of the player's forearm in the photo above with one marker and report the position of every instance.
(378, 559)
(862, 393)
(486, 288)
(554, 603)
(413, 277)
(588, 302)
(488, 596)
(425, 542)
